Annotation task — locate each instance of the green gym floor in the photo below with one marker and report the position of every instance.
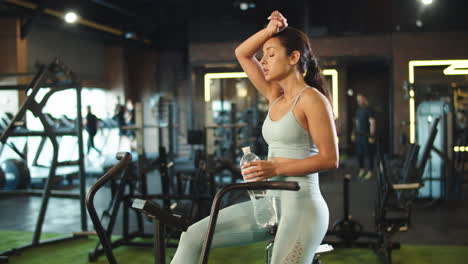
(75, 251)
(438, 234)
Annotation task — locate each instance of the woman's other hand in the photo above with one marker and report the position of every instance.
(259, 170)
(277, 22)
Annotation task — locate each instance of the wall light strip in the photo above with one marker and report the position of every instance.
(220, 75)
(412, 113)
(225, 75)
(334, 75)
(456, 67)
(460, 148)
(460, 68)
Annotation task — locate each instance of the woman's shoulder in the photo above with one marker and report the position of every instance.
(313, 95)
(314, 102)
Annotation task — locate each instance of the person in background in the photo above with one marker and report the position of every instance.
(129, 117)
(91, 126)
(365, 128)
(119, 118)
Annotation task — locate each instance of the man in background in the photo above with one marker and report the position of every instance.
(91, 126)
(365, 128)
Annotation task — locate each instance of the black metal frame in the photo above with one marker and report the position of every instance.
(269, 185)
(394, 194)
(119, 198)
(104, 236)
(118, 186)
(347, 229)
(388, 192)
(57, 76)
(161, 217)
(136, 180)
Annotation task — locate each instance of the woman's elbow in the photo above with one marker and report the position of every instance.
(332, 162)
(335, 163)
(237, 52)
(241, 53)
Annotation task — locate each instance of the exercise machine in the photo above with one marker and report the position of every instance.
(162, 217)
(393, 207)
(133, 185)
(58, 77)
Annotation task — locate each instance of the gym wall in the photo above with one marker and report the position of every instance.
(397, 48)
(84, 56)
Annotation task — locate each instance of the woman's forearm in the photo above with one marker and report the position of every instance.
(300, 167)
(250, 46)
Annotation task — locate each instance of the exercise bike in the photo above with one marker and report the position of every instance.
(162, 217)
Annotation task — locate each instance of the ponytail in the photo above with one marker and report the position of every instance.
(314, 76)
(294, 39)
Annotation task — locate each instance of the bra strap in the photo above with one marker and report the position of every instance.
(297, 97)
(276, 100)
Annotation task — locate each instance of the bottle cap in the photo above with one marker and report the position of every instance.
(246, 149)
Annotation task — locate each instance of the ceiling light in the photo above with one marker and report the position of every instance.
(419, 23)
(71, 17)
(426, 2)
(243, 6)
(130, 35)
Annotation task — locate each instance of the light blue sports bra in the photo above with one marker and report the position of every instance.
(285, 137)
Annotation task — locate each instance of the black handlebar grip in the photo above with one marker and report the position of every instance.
(272, 185)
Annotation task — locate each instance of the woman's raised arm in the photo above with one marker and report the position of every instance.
(247, 50)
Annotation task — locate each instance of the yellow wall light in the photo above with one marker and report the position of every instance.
(459, 68)
(225, 75)
(334, 75)
(460, 148)
(455, 67)
(220, 75)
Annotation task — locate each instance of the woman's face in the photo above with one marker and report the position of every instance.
(276, 64)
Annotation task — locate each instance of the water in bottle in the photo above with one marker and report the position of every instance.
(264, 206)
(247, 158)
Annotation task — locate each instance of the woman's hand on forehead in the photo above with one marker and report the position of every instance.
(276, 15)
(277, 22)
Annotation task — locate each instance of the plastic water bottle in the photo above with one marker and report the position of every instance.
(264, 206)
(247, 158)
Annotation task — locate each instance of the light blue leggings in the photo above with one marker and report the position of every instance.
(302, 225)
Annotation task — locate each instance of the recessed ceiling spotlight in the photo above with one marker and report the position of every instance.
(419, 23)
(71, 17)
(427, 2)
(129, 35)
(243, 6)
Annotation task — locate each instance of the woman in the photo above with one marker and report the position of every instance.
(301, 135)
